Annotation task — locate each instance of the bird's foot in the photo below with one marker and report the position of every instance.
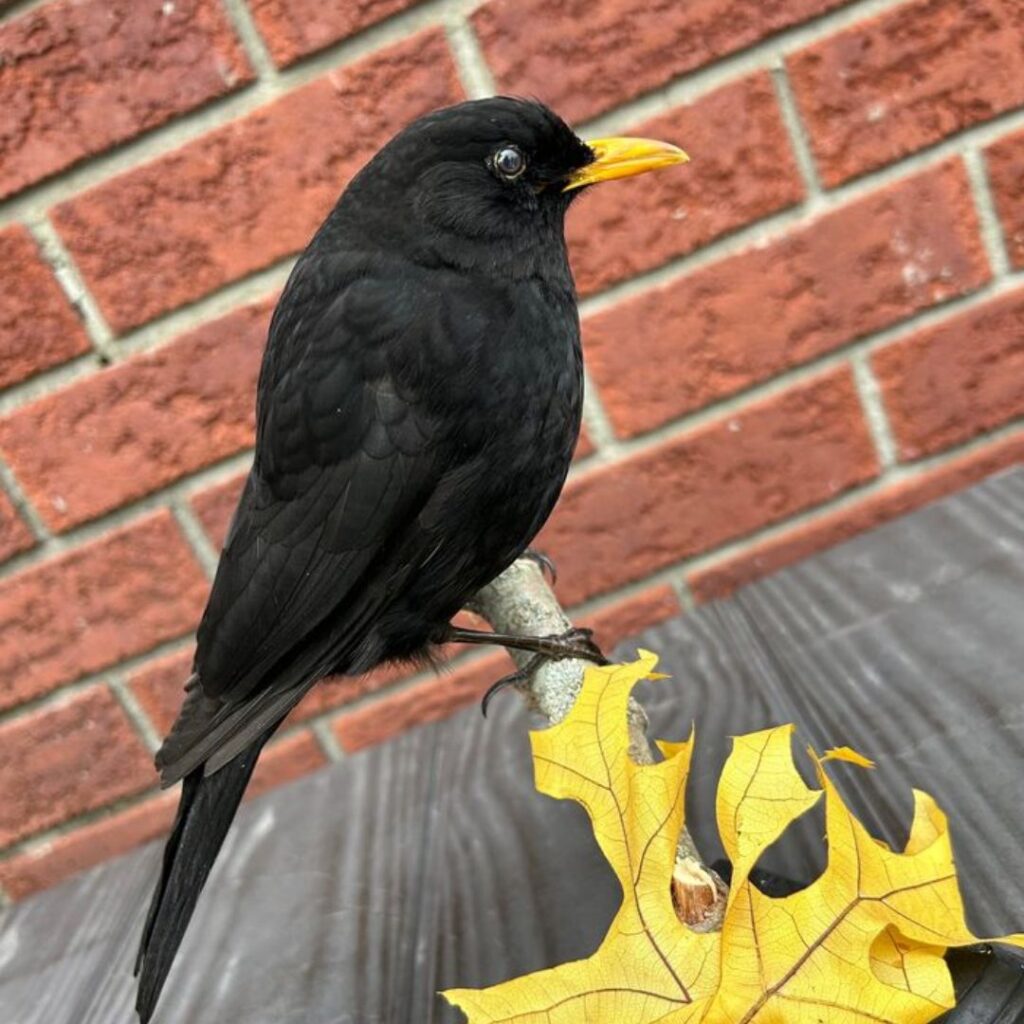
(575, 642)
(521, 677)
(543, 562)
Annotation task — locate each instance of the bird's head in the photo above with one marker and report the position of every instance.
(485, 184)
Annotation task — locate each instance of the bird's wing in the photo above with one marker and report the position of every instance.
(346, 458)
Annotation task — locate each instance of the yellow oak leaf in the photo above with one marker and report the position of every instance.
(862, 944)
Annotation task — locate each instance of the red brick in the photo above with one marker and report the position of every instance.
(722, 578)
(38, 327)
(428, 701)
(101, 603)
(286, 760)
(248, 194)
(1006, 173)
(296, 28)
(584, 447)
(123, 433)
(742, 169)
(15, 536)
(216, 505)
(80, 77)
(43, 866)
(714, 483)
(906, 79)
(587, 57)
(59, 762)
(49, 863)
(631, 615)
(749, 317)
(159, 688)
(951, 382)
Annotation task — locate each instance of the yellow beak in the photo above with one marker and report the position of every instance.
(624, 157)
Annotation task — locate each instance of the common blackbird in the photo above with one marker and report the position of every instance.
(417, 410)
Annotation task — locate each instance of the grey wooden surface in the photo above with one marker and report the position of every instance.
(354, 895)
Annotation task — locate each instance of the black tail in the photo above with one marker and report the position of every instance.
(208, 805)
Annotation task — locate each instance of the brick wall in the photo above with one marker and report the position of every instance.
(817, 325)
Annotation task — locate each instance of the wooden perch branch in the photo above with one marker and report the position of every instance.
(520, 601)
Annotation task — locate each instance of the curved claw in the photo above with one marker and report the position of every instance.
(575, 642)
(512, 679)
(544, 563)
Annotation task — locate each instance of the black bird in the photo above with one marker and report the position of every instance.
(417, 410)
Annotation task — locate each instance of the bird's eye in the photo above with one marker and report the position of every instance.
(509, 162)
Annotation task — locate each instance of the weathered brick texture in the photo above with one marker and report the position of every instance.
(293, 29)
(908, 78)
(80, 77)
(58, 762)
(248, 194)
(745, 172)
(587, 56)
(727, 304)
(749, 317)
(758, 560)
(1006, 170)
(15, 535)
(105, 601)
(710, 485)
(951, 382)
(38, 326)
(113, 437)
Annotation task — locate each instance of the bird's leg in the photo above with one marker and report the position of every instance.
(573, 643)
(544, 562)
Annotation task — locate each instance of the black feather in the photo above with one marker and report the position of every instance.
(417, 411)
(207, 808)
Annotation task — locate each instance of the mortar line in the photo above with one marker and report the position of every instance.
(71, 282)
(675, 574)
(759, 55)
(128, 514)
(684, 594)
(988, 216)
(45, 382)
(472, 66)
(163, 330)
(610, 450)
(326, 740)
(978, 134)
(40, 840)
(791, 376)
(902, 473)
(869, 393)
(63, 692)
(764, 231)
(595, 418)
(798, 137)
(906, 472)
(192, 124)
(774, 227)
(219, 111)
(10, 486)
(251, 40)
(717, 555)
(134, 712)
(253, 288)
(195, 536)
